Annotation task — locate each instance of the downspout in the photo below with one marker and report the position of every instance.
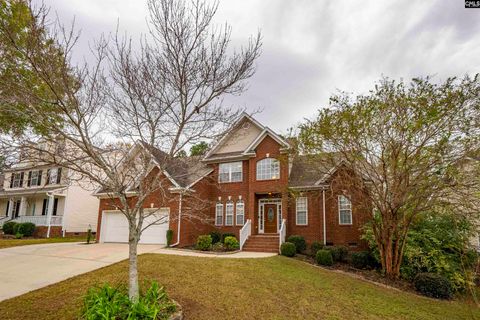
(49, 211)
(324, 222)
(179, 219)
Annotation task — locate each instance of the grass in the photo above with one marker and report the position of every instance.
(271, 288)
(7, 243)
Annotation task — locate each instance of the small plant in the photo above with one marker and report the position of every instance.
(433, 285)
(89, 235)
(8, 227)
(218, 247)
(324, 257)
(363, 260)
(288, 249)
(204, 242)
(299, 242)
(227, 235)
(169, 237)
(216, 236)
(231, 243)
(339, 253)
(18, 235)
(107, 302)
(315, 247)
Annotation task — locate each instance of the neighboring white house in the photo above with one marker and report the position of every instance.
(51, 197)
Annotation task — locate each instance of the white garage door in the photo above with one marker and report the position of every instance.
(115, 227)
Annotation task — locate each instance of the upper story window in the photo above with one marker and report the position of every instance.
(54, 176)
(35, 178)
(344, 210)
(16, 180)
(230, 172)
(268, 169)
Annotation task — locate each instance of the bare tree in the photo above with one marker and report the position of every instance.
(158, 99)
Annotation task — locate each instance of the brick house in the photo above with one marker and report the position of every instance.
(252, 184)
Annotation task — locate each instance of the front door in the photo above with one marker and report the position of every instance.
(270, 214)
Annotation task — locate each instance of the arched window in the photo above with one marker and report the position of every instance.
(229, 213)
(268, 169)
(240, 213)
(219, 214)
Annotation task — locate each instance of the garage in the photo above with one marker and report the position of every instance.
(114, 227)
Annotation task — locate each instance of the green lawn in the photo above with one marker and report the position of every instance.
(271, 288)
(7, 243)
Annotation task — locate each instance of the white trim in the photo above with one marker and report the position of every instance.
(272, 160)
(263, 135)
(261, 212)
(217, 215)
(351, 212)
(230, 166)
(227, 214)
(306, 211)
(237, 203)
(324, 222)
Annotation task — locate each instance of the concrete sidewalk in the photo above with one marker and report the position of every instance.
(235, 255)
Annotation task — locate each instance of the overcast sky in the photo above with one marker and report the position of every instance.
(311, 49)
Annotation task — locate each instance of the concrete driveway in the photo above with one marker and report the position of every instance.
(26, 268)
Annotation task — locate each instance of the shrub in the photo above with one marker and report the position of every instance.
(15, 228)
(204, 242)
(169, 237)
(26, 228)
(8, 227)
(218, 246)
(107, 302)
(339, 253)
(299, 243)
(18, 235)
(225, 235)
(363, 260)
(433, 285)
(288, 249)
(216, 236)
(89, 235)
(315, 247)
(324, 257)
(231, 243)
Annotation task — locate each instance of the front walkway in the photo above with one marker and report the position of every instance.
(31, 267)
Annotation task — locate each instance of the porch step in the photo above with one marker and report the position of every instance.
(262, 243)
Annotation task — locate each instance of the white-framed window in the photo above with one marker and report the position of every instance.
(229, 213)
(240, 213)
(230, 172)
(302, 211)
(35, 178)
(268, 169)
(54, 175)
(219, 214)
(344, 210)
(17, 180)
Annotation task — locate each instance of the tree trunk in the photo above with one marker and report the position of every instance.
(133, 290)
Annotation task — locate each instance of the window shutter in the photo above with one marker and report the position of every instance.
(29, 181)
(11, 180)
(44, 208)
(55, 204)
(59, 175)
(8, 207)
(39, 180)
(48, 177)
(21, 179)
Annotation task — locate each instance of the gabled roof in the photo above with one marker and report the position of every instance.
(249, 150)
(312, 170)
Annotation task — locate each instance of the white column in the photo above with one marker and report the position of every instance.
(23, 207)
(50, 202)
(10, 208)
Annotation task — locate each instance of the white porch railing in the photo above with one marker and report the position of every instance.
(40, 220)
(245, 232)
(3, 220)
(282, 232)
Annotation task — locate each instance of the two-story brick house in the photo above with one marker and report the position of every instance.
(258, 189)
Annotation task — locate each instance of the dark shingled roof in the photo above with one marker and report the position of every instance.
(308, 169)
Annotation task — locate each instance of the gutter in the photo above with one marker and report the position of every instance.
(179, 220)
(324, 222)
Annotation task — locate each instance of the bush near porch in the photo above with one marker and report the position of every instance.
(25, 229)
(210, 242)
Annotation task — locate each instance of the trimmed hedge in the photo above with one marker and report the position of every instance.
(299, 242)
(339, 253)
(227, 235)
(169, 237)
(216, 236)
(26, 229)
(324, 257)
(204, 242)
(363, 260)
(433, 285)
(8, 227)
(315, 246)
(231, 243)
(288, 249)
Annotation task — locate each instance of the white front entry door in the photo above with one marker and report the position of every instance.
(115, 227)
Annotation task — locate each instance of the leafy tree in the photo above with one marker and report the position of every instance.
(403, 144)
(199, 149)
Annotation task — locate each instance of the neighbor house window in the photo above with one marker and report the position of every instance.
(268, 169)
(16, 180)
(54, 175)
(344, 210)
(240, 213)
(35, 178)
(229, 213)
(219, 214)
(230, 172)
(302, 211)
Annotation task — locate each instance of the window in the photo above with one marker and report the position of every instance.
(344, 210)
(268, 169)
(229, 214)
(240, 213)
(16, 180)
(230, 172)
(54, 175)
(302, 211)
(219, 214)
(35, 178)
